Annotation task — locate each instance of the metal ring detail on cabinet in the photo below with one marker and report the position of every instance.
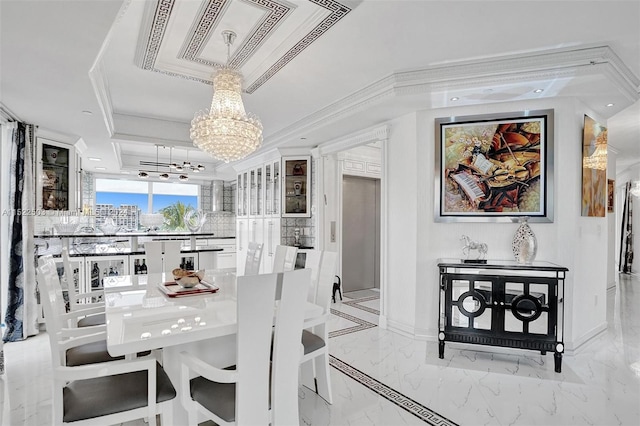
(476, 296)
(537, 311)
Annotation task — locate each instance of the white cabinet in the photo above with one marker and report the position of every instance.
(242, 198)
(271, 229)
(224, 259)
(56, 176)
(242, 241)
(272, 189)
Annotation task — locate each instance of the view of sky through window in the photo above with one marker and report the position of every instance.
(124, 192)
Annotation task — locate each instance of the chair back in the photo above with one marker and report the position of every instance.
(256, 308)
(287, 347)
(254, 257)
(153, 256)
(52, 302)
(312, 261)
(172, 256)
(285, 258)
(325, 280)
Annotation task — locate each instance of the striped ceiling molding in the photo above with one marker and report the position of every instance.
(205, 23)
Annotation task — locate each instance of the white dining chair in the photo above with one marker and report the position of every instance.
(172, 257)
(153, 256)
(100, 393)
(240, 394)
(285, 258)
(312, 261)
(79, 300)
(77, 345)
(254, 258)
(287, 350)
(315, 336)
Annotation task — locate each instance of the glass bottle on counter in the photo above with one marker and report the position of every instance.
(95, 276)
(143, 267)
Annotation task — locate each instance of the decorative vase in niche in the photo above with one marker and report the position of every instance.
(525, 244)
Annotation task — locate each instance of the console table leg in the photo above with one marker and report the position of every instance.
(441, 349)
(557, 357)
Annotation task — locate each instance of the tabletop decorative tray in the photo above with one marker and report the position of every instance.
(173, 289)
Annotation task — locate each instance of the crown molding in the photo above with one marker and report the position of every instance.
(362, 137)
(525, 67)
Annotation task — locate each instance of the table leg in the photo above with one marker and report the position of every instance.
(557, 358)
(441, 349)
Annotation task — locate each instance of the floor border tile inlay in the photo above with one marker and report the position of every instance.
(402, 401)
(356, 304)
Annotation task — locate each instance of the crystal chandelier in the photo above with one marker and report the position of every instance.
(226, 131)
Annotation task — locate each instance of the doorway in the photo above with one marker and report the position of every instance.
(360, 233)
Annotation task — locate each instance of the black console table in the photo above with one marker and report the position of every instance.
(503, 303)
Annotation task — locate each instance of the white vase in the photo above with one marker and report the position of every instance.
(525, 244)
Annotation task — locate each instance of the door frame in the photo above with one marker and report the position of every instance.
(329, 166)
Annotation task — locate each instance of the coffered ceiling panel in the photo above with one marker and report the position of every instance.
(184, 39)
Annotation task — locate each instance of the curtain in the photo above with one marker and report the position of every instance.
(626, 241)
(21, 317)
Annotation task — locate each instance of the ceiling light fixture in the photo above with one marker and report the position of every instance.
(94, 159)
(610, 105)
(226, 131)
(538, 91)
(166, 173)
(455, 98)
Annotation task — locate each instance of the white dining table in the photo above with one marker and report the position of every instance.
(140, 317)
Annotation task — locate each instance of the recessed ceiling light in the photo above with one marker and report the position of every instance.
(538, 91)
(95, 159)
(610, 105)
(101, 168)
(87, 112)
(455, 98)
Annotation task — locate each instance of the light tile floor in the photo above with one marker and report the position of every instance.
(383, 378)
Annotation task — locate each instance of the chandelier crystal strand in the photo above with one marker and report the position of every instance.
(226, 131)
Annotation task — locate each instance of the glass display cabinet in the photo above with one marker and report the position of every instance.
(296, 198)
(55, 176)
(242, 195)
(272, 189)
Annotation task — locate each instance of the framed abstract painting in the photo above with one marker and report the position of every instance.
(495, 168)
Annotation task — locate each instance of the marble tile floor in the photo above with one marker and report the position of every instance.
(384, 378)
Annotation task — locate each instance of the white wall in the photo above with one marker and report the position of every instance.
(416, 241)
(404, 207)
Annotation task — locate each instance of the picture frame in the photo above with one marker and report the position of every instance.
(611, 194)
(494, 167)
(594, 169)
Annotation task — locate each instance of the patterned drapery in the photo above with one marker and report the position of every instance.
(21, 317)
(626, 242)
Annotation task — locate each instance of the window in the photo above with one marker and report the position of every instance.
(125, 200)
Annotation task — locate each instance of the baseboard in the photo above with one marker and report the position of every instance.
(400, 328)
(573, 347)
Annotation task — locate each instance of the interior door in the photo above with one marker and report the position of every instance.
(360, 233)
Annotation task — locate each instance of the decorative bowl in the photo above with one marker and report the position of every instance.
(188, 282)
(187, 279)
(65, 228)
